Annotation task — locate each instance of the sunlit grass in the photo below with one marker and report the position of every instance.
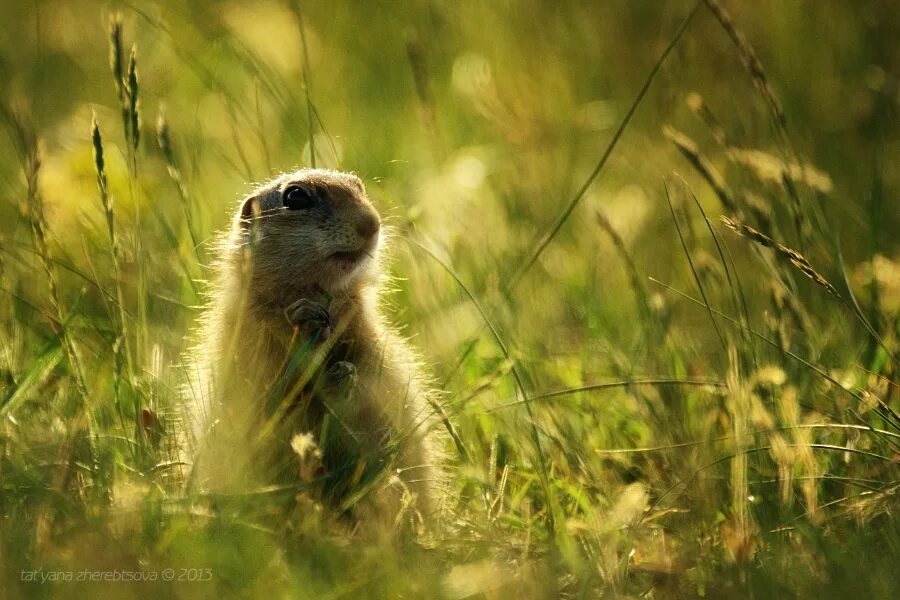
(663, 322)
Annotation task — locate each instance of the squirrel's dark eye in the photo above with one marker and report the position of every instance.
(297, 198)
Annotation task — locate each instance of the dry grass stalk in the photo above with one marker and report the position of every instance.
(67, 454)
(127, 88)
(759, 208)
(168, 151)
(691, 152)
(804, 461)
(750, 60)
(795, 258)
(120, 345)
(698, 106)
(739, 531)
(801, 224)
(634, 276)
(128, 93)
(39, 234)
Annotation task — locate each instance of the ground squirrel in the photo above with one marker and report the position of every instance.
(293, 344)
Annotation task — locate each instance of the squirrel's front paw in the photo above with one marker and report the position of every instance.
(311, 318)
(342, 372)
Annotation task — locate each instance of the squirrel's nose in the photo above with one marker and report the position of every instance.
(368, 226)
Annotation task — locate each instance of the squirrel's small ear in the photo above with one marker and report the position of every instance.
(249, 209)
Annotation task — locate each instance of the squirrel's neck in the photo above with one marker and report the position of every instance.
(354, 314)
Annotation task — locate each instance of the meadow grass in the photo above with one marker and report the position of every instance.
(659, 299)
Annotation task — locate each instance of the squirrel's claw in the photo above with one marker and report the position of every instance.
(310, 318)
(342, 372)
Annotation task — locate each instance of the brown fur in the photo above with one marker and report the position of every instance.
(260, 378)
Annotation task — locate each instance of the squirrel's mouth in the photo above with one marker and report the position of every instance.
(348, 265)
(350, 257)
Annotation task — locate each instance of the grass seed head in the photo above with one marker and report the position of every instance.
(794, 257)
(116, 55)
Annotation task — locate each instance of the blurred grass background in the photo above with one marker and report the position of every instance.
(760, 464)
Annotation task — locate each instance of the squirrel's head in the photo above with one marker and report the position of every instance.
(314, 228)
